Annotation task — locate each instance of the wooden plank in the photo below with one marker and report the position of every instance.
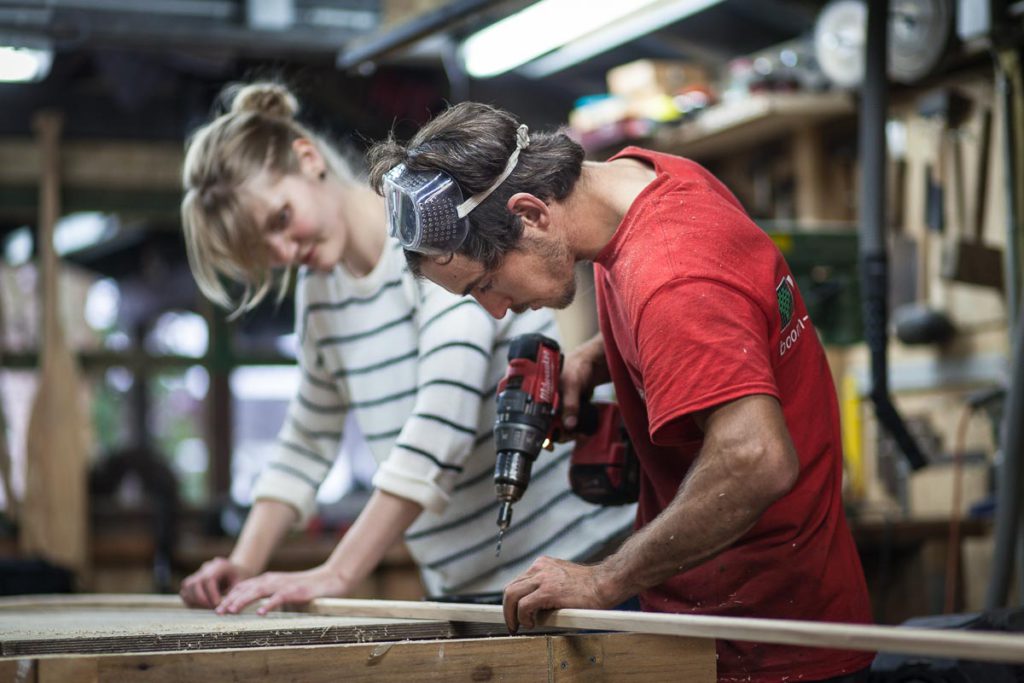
(631, 657)
(55, 628)
(976, 646)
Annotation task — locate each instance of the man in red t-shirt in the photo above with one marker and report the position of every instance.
(717, 368)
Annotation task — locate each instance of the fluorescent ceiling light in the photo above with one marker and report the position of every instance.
(23, 64)
(538, 29)
(638, 24)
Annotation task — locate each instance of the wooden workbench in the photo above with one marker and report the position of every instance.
(66, 639)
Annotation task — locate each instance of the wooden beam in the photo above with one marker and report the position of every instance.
(111, 164)
(629, 658)
(975, 646)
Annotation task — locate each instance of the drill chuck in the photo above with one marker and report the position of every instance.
(511, 477)
(505, 516)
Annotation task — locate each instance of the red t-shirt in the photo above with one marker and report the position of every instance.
(697, 308)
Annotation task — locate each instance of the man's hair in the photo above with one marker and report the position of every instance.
(255, 134)
(472, 142)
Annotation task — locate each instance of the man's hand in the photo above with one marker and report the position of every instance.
(584, 369)
(551, 583)
(205, 587)
(284, 587)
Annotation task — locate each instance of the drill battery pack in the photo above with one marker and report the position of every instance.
(603, 468)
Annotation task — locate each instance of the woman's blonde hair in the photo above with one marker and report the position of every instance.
(221, 236)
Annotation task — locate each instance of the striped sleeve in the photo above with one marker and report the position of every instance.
(310, 437)
(456, 339)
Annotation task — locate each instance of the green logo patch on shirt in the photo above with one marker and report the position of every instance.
(784, 294)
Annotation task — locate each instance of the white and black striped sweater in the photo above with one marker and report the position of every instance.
(419, 368)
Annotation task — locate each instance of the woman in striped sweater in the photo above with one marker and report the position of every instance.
(416, 366)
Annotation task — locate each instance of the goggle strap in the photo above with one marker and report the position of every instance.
(522, 142)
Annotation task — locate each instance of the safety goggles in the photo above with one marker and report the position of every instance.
(426, 210)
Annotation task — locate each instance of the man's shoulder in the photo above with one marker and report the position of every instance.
(662, 162)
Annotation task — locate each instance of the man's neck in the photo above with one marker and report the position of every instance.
(602, 197)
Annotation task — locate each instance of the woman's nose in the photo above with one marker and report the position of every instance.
(282, 250)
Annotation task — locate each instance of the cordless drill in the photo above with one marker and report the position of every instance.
(603, 467)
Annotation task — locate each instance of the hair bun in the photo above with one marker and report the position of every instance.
(270, 99)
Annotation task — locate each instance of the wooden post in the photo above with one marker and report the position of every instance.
(809, 175)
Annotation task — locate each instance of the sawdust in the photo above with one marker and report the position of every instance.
(79, 622)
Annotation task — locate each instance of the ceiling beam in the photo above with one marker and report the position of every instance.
(406, 33)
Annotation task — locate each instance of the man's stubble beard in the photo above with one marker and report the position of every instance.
(568, 293)
(556, 260)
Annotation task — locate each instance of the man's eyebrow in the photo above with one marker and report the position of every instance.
(472, 285)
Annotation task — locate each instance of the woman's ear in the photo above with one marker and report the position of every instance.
(311, 161)
(533, 212)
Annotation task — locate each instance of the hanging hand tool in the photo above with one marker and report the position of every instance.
(54, 519)
(968, 258)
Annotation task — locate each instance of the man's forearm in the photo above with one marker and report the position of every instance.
(266, 525)
(746, 463)
(707, 515)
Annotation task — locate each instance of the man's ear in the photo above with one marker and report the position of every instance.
(311, 162)
(531, 210)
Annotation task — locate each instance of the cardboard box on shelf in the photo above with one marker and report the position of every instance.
(395, 12)
(646, 77)
(596, 112)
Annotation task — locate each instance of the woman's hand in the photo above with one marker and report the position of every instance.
(215, 577)
(284, 587)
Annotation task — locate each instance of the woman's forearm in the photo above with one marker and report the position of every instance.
(379, 526)
(266, 525)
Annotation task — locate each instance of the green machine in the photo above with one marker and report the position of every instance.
(824, 265)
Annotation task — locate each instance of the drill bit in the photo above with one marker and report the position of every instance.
(504, 520)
